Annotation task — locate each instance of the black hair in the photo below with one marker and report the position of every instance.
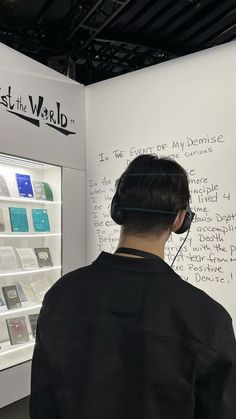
(153, 183)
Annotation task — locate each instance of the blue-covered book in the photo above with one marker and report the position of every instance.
(40, 220)
(19, 220)
(24, 185)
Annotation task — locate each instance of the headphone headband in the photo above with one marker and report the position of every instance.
(150, 210)
(118, 214)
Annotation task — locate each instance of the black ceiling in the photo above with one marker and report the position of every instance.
(92, 40)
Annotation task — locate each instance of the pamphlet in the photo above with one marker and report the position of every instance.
(2, 224)
(42, 190)
(40, 220)
(4, 191)
(43, 256)
(24, 185)
(39, 191)
(8, 260)
(33, 318)
(28, 291)
(27, 258)
(48, 191)
(40, 287)
(11, 297)
(1, 302)
(17, 330)
(19, 220)
(20, 292)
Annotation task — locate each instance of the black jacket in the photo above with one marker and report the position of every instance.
(127, 338)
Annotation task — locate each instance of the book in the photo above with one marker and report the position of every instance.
(19, 220)
(24, 185)
(48, 191)
(27, 290)
(33, 318)
(11, 297)
(2, 223)
(42, 190)
(39, 191)
(43, 256)
(27, 258)
(1, 302)
(40, 220)
(21, 292)
(4, 191)
(17, 330)
(8, 260)
(40, 287)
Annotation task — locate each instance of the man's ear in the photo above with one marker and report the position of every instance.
(178, 220)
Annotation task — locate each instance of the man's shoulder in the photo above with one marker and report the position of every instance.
(66, 282)
(198, 299)
(188, 296)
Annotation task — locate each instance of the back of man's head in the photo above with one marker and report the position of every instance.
(150, 182)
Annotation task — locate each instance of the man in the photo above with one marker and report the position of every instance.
(126, 337)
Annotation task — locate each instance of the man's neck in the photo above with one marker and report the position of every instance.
(149, 244)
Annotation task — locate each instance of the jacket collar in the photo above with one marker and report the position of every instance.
(126, 263)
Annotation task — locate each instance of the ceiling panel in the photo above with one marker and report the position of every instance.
(92, 40)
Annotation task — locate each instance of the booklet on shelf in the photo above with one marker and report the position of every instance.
(42, 190)
(8, 260)
(28, 291)
(27, 258)
(33, 318)
(40, 220)
(11, 297)
(48, 191)
(1, 302)
(17, 330)
(21, 292)
(43, 256)
(40, 287)
(4, 191)
(39, 191)
(19, 220)
(24, 185)
(2, 223)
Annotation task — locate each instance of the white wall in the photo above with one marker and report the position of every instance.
(41, 142)
(27, 78)
(14, 382)
(179, 108)
(74, 219)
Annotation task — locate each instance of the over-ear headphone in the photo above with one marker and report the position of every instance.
(118, 213)
(189, 216)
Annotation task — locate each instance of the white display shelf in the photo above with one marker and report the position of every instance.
(26, 306)
(30, 235)
(12, 354)
(29, 200)
(33, 271)
(39, 279)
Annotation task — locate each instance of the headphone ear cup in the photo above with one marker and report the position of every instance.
(187, 221)
(117, 213)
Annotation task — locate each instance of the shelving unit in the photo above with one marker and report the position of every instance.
(29, 235)
(33, 271)
(40, 268)
(32, 201)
